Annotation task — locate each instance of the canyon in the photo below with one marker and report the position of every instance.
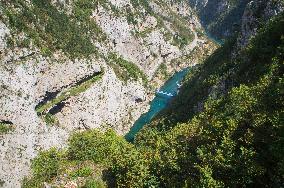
(36, 80)
(76, 65)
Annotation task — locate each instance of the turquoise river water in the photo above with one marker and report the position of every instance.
(161, 100)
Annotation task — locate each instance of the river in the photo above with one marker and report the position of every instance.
(160, 102)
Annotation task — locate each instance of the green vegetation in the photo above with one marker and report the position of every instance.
(47, 165)
(236, 139)
(144, 3)
(144, 33)
(125, 70)
(51, 29)
(162, 70)
(6, 127)
(180, 25)
(93, 183)
(73, 91)
(50, 119)
(82, 172)
(106, 149)
(221, 23)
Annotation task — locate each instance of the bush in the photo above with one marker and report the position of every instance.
(93, 183)
(6, 127)
(82, 172)
(126, 70)
(32, 183)
(47, 164)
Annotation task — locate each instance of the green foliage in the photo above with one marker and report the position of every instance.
(163, 71)
(143, 34)
(6, 127)
(125, 70)
(235, 140)
(92, 183)
(122, 160)
(50, 119)
(47, 164)
(230, 140)
(32, 183)
(45, 167)
(180, 41)
(221, 23)
(180, 25)
(51, 29)
(144, 4)
(82, 172)
(131, 18)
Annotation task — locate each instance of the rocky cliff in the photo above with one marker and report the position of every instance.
(218, 75)
(76, 65)
(255, 14)
(220, 18)
(226, 17)
(224, 129)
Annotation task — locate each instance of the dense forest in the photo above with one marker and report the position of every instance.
(224, 129)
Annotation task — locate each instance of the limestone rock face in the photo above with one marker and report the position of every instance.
(108, 104)
(220, 17)
(223, 17)
(32, 73)
(255, 13)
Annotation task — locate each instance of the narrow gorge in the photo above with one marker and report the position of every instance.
(137, 93)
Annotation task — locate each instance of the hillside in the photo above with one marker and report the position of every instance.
(220, 18)
(69, 65)
(224, 129)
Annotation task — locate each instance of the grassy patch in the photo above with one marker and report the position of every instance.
(73, 91)
(143, 34)
(94, 183)
(82, 172)
(125, 70)
(6, 127)
(162, 70)
(50, 119)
